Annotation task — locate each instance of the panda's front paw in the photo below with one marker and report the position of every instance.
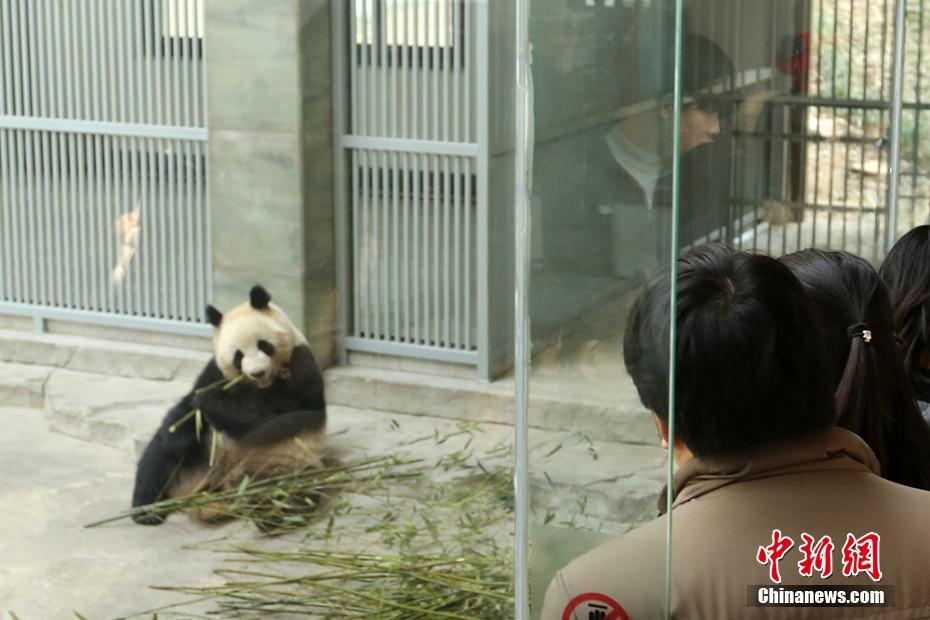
(148, 518)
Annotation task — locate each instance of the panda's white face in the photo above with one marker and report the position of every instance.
(251, 342)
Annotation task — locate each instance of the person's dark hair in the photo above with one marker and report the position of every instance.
(707, 73)
(747, 370)
(873, 396)
(906, 271)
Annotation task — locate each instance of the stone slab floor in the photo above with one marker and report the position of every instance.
(51, 565)
(67, 458)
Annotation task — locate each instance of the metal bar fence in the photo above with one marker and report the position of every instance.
(105, 212)
(856, 117)
(408, 158)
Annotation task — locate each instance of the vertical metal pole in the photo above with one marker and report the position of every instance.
(416, 63)
(917, 111)
(416, 245)
(158, 37)
(174, 31)
(673, 304)
(482, 169)
(395, 246)
(203, 258)
(435, 64)
(896, 105)
(366, 247)
(93, 200)
(100, 208)
(192, 265)
(135, 272)
(435, 208)
(38, 37)
(390, 26)
(187, 39)
(378, 212)
(357, 234)
(198, 61)
(382, 175)
(469, 211)
(131, 47)
(31, 206)
(203, 70)
(171, 232)
(456, 250)
(427, 184)
(47, 221)
(93, 86)
(456, 68)
(113, 94)
(5, 159)
(383, 75)
(446, 244)
(8, 197)
(403, 39)
(338, 44)
(406, 226)
(523, 143)
(85, 253)
(56, 219)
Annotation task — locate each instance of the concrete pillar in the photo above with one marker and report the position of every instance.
(270, 145)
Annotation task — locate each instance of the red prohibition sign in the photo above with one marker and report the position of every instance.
(617, 612)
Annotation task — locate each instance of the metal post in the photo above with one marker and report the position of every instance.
(673, 303)
(523, 143)
(482, 169)
(896, 105)
(338, 34)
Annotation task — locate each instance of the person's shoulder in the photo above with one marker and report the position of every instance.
(626, 572)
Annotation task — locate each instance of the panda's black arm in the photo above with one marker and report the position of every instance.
(244, 409)
(167, 450)
(306, 380)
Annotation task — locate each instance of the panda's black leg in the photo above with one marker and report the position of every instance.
(168, 451)
(161, 461)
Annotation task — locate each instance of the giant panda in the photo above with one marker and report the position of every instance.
(270, 422)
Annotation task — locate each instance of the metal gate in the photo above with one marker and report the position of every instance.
(103, 163)
(411, 165)
(843, 136)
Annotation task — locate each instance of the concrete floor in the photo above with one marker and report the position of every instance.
(68, 453)
(52, 566)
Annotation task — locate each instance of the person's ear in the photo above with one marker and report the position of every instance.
(662, 427)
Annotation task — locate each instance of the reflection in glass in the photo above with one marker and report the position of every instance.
(601, 226)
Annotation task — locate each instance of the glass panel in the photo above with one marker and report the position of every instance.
(601, 220)
(807, 132)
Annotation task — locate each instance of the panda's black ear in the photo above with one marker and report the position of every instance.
(214, 316)
(259, 297)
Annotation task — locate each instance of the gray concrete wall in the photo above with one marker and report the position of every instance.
(315, 75)
(269, 116)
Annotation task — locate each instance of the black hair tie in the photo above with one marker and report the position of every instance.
(859, 329)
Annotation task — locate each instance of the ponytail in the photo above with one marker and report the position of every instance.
(873, 397)
(875, 400)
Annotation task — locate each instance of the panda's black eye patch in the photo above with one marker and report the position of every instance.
(266, 347)
(237, 360)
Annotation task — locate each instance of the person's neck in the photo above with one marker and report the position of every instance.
(642, 132)
(682, 454)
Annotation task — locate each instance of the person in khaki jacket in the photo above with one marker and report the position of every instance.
(769, 496)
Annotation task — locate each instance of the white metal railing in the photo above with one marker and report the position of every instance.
(409, 158)
(103, 162)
